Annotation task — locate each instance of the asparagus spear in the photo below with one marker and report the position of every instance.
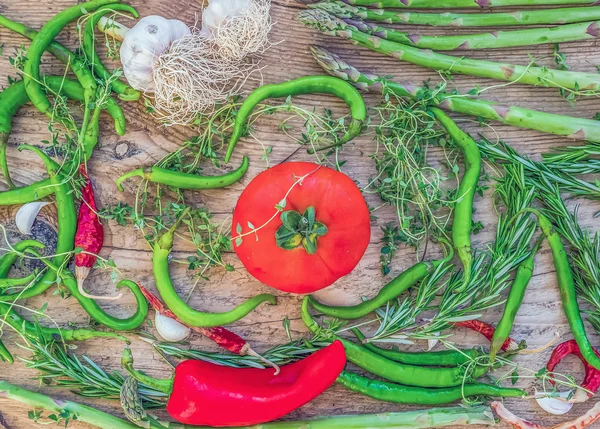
(497, 39)
(582, 83)
(524, 17)
(443, 4)
(576, 128)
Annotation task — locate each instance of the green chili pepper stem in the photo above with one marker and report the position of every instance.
(181, 180)
(40, 42)
(566, 285)
(162, 385)
(126, 92)
(430, 358)
(514, 300)
(400, 394)
(189, 316)
(303, 85)
(403, 282)
(463, 211)
(400, 373)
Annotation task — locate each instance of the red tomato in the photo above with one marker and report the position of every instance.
(325, 233)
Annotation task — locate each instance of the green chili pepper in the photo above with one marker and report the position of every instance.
(10, 258)
(400, 373)
(67, 222)
(400, 394)
(15, 96)
(78, 66)
(5, 355)
(514, 300)
(180, 180)
(390, 291)
(304, 85)
(125, 91)
(41, 41)
(463, 211)
(566, 285)
(437, 358)
(9, 283)
(189, 316)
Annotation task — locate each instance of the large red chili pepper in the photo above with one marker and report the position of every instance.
(591, 383)
(221, 336)
(206, 394)
(487, 331)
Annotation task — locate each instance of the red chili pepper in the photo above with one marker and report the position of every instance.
(206, 394)
(221, 336)
(591, 383)
(487, 331)
(90, 233)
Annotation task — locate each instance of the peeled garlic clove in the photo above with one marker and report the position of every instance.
(170, 329)
(26, 215)
(557, 406)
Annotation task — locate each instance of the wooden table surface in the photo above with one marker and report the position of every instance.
(145, 142)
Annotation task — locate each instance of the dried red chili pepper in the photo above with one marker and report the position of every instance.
(487, 331)
(206, 394)
(89, 237)
(221, 336)
(591, 383)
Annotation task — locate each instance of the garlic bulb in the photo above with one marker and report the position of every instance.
(150, 37)
(556, 405)
(170, 329)
(26, 215)
(219, 11)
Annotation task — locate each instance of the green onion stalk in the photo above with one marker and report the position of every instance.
(436, 417)
(576, 128)
(576, 82)
(486, 40)
(497, 19)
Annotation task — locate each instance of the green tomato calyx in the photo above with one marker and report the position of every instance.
(300, 230)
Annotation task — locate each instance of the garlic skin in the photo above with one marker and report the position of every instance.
(219, 11)
(556, 405)
(26, 215)
(169, 329)
(150, 37)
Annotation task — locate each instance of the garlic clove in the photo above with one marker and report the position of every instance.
(170, 329)
(178, 29)
(556, 405)
(26, 215)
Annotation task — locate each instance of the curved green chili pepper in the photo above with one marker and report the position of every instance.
(180, 180)
(437, 358)
(125, 91)
(10, 283)
(189, 316)
(67, 222)
(304, 85)
(79, 68)
(41, 41)
(514, 300)
(463, 211)
(10, 258)
(400, 394)
(566, 285)
(390, 291)
(400, 373)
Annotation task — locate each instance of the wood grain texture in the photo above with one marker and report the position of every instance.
(145, 142)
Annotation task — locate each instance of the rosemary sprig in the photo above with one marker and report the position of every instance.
(492, 272)
(83, 376)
